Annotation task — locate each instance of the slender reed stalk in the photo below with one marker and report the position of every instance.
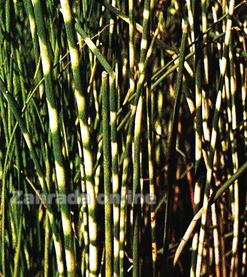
(107, 176)
(198, 119)
(137, 134)
(85, 135)
(114, 150)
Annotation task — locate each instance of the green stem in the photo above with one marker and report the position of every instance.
(85, 135)
(107, 176)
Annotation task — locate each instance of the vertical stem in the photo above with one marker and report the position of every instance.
(115, 177)
(137, 133)
(151, 178)
(128, 142)
(83, 223)
(85, 135)
(198, 120)
(107, 176)
(235, 204)
(136, 188)
(216, 245)
(114, 154)
(131, 44)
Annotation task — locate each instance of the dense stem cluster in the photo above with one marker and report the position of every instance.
(123, 130)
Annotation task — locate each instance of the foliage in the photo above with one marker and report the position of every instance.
(138, 109)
